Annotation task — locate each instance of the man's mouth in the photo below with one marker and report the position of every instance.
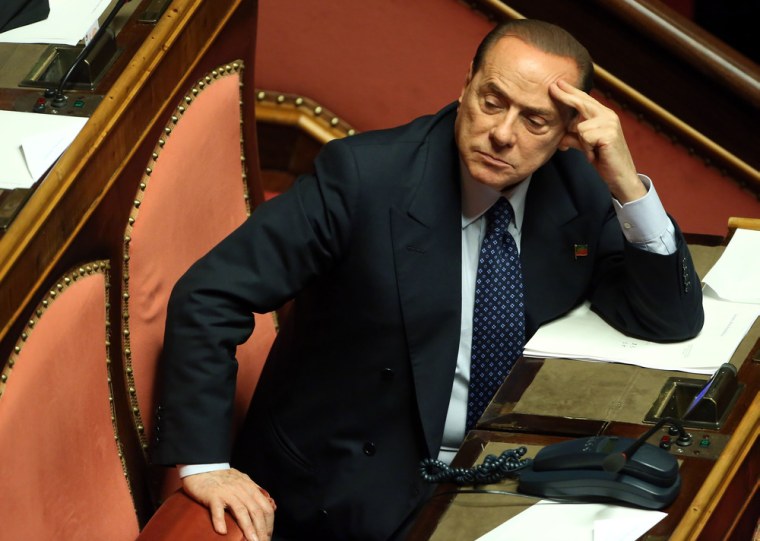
(493, 161)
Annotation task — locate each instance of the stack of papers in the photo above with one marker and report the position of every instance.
(576, 522)
(31, 142)
(736, 275)
(731, 304)
(68, 22)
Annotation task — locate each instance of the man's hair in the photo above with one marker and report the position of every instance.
(544, 36)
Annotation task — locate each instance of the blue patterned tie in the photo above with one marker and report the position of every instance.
(498, 321)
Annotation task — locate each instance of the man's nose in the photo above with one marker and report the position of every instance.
(503, 131)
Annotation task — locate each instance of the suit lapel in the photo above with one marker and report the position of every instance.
(427, 251)
(554, 248)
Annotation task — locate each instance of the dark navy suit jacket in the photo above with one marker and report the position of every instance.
(356, 388)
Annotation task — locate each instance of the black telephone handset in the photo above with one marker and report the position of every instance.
(582, 469)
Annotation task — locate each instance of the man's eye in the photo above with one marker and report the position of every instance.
(490, 104)
(537, 125)
(537, 121)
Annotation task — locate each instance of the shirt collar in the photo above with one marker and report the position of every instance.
(477, 198)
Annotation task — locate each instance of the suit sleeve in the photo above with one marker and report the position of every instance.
(273, 255)
(647, 295)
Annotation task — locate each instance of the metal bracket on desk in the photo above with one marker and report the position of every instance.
(710, 412)
(56, 60)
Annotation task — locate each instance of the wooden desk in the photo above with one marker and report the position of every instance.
(720, 492)
(81, 201)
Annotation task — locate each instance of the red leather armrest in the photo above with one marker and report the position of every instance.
(181, 517)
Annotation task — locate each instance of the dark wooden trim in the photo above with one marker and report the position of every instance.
(692, 44)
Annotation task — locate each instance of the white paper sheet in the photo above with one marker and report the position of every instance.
(576, 522)
(67, 23)
(736, 275)
(582, 334)
(31, 142)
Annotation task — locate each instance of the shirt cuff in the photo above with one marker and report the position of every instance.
(645, 223)
(185, 470)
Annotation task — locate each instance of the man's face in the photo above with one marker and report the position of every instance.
(507, 125)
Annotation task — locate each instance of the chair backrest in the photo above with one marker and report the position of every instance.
(192, 195)
(62, 472)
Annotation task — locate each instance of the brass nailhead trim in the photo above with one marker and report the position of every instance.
(70, 277)
(334, 122)
(189, 97)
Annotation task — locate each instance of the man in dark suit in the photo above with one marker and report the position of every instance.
(379, 249)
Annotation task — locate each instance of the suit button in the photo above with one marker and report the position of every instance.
(323, 513)
(388, 374)
(369, 448)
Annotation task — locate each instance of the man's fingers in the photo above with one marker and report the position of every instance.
(246, 520)
(244, 516)
(570, 140)
(266, 503)
(567, 94)
(232, 490)
(256, 512)
(217, 517)
(573, 140)
(596, 131)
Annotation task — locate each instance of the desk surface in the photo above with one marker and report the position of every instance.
(725, 479)
(16, 62)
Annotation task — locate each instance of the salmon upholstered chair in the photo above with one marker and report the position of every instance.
(193, 193)
(62, 473)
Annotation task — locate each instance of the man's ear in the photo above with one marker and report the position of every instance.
(466, 83)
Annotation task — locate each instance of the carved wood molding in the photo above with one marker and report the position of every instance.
(286, 109)
(691, 44)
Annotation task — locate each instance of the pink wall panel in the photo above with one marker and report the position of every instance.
(376, 63)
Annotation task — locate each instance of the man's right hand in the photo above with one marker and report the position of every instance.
(250, 505)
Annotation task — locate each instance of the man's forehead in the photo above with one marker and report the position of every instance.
(510, 50)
